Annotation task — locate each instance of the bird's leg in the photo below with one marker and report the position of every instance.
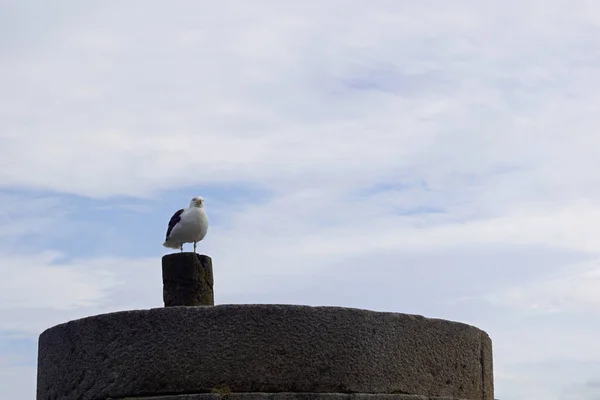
(195, 247)
(181, 247)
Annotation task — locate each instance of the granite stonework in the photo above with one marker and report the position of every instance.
(187, 280)
(259, 351)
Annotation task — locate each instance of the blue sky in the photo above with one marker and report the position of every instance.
(436, 158)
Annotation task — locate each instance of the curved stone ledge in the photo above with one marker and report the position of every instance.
(290, 396)
(247, 349)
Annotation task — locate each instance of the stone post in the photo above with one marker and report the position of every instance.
(187, 280)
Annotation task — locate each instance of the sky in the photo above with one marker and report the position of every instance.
(433, 157)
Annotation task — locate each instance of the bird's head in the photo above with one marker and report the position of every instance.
(197, 201)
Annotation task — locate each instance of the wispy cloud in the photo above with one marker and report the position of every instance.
(38, 280)
(573, 289)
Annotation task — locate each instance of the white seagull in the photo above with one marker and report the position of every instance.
(187, 225)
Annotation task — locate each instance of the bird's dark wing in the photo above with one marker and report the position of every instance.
(173, 221)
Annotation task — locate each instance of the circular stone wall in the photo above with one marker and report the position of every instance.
(263, 349)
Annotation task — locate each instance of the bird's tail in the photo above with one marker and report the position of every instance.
(171, 245)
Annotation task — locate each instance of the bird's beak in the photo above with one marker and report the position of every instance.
(199, 202)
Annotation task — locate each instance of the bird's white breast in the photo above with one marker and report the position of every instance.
(196, 222)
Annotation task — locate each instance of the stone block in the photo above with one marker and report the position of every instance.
(250, 349)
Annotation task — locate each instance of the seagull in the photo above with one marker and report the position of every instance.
(187, 225)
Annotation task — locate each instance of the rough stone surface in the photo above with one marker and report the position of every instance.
(262, 348)
(289, 396)
(487, 370)
(187, 280)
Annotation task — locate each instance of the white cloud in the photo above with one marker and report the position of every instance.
(574, 289)
(34, 281)
(268, 102)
